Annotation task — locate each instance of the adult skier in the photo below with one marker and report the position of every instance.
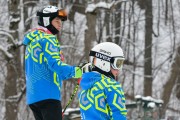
(44, 66)
(102, 97)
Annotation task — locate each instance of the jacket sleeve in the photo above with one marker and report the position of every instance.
(51, 50)
(116, 101)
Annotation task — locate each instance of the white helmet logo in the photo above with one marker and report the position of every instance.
(103, 57)
(46, 21)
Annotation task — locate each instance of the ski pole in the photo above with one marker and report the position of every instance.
(85, 68)
(72, 96)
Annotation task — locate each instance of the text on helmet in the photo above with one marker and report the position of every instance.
(103, 57)
(109, 53)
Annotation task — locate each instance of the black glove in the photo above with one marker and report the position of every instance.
(85, 67)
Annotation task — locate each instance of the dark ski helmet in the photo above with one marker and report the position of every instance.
(47, 14)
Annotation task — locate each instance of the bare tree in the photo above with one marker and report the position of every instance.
(28, 8)
(54, 2)
(107, 23)
(118, 22)
(90, 33)
(148, 47)
(173, 78)
(166, 11)
(14, 65)
(70, 55)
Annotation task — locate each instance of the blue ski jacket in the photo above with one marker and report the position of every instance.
(44, 69)
(101, 98)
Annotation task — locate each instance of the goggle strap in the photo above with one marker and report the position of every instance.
(63, 18)
(100, 56)
(103, 57)
(46, 14)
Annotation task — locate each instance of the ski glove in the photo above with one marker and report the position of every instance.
(82, 68)
(78, 72)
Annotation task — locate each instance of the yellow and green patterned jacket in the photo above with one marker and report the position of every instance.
(101, 98)
(44, 69)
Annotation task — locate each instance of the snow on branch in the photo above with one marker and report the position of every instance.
(5, 51)
(15, 98)
(92, 7)
(13, 41)
(148, 101)
(28, 19)
(119, 1)
(9, 35)
(31, 2)
(15, 20)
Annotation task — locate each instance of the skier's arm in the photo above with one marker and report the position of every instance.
(52, 56)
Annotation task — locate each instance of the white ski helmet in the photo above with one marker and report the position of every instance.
(48, 13)
(107, 55)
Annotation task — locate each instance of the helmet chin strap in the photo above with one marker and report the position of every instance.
(52, 29)
(108, 74)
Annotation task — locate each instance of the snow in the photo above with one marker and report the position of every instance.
(4, 50)
(15, 19)
(8, 35)
(92, 7)
(151, 105)
(148, 98)
(138, 97)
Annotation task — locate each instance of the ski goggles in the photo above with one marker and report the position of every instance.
(62, 14)
(117, 63)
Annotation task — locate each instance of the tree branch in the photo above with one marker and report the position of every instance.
(5, 52)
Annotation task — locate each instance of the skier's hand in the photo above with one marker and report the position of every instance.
(85, 67)
(78, 72)
(82, 68)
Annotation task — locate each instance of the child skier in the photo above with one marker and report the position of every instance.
(102, 97)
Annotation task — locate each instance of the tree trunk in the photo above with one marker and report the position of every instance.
(53, 2)
(90, 33)
(148, 46)
(118, 24)
(166, 12)
(124, 24)
(13, 65)
(27, 10)
(173, 78)
(107, 23)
